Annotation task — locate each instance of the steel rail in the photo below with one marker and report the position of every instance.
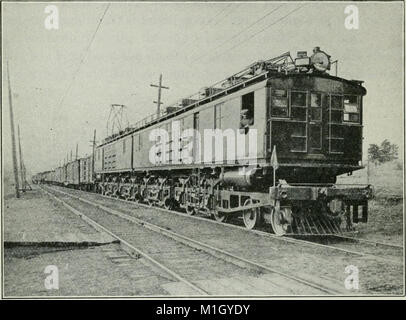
(219, 253)
(126, 245)
(267, 234)
(371, 242)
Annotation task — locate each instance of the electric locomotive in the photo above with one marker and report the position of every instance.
(265, 144)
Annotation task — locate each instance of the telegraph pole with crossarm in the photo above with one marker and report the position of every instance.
(160, 87)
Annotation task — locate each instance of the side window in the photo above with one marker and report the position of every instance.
(351, 109)
(124, 140)
(336, 108)
(247, 110)
(298, 104)
(218, 116)
(279, 103)
(315, 104)
(139, 142)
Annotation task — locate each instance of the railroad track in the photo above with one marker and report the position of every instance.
(380, 251)
(184, 259)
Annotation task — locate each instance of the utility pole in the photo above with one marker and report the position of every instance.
(13, 141)
(77, 147)
(22, 175)
(71, 155)
(368, 171)
(93, 142)
(160, 87)
(93, 148)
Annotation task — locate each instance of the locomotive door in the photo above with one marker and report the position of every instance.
(196, 138)
(315, 122)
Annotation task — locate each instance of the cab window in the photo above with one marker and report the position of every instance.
(336, 109)
(298, 104)
(279, 103)
(351, 109)
(316, 105)
(218, 116)
(247, 110)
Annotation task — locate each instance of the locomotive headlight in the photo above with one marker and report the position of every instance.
(320, 60)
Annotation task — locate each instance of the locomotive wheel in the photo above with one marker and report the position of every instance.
(168, 204)
(278, 222)
(190, 210)
(251, 217)
(137, 197)
(220, 216)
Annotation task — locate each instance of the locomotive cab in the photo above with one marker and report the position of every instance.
(315, 123)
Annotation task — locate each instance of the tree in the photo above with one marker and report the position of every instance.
(383, 153)
(374, 153)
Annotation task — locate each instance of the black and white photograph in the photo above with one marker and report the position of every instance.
(202, 150)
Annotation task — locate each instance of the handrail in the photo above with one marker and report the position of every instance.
(281, 63)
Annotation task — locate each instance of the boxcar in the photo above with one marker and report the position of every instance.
(86, 172)
(73, 173)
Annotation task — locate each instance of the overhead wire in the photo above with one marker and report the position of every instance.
(84, 56)
(243, 30)
(204, 25)
(260, 31)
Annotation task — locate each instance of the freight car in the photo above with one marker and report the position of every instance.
(216, 152)
(86, 173)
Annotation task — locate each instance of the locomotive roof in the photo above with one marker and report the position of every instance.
(272, 74)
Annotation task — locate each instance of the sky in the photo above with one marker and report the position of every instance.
(63, 82)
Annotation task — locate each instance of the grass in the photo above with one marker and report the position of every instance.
(386, 209)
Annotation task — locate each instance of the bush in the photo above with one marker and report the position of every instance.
(398, 166)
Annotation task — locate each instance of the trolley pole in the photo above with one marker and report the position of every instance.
(160, 87)
(13, 141)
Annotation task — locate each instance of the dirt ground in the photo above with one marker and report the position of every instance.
(105, 270)
(42, 233)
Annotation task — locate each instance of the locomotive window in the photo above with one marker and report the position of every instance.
(351, 109)
(124, 146)
(279, 103)
(247, 110)
(298, 105)
(218, 116)
(336, 109)
(336, 102)
(137, 142)
(298, 99)
(299, 114)
(315, 103)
